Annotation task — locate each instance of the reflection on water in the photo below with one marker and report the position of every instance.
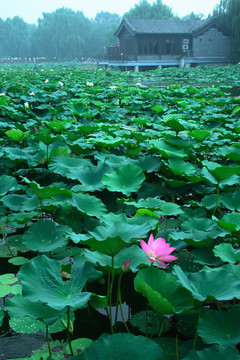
(20, 345)
(126, 312)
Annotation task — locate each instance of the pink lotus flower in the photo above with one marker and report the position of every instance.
(158, 250)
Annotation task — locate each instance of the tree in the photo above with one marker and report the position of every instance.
(228, 20)
(63, 34)
(145, 10)
(15, 37)
(193, 16)
(104, 26)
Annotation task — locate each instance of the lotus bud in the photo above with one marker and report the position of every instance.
(42, 161)
(126, 265)
(34, 129)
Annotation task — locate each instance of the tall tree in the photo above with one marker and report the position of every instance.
(104, 26)
(145, 10)
(15, 37)
(63, 34)
(228, 19)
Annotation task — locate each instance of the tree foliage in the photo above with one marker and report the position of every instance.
(62, 35)
(145, 10)
(228, 17)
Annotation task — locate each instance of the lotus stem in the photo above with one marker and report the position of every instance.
(110, 296)
(160, 328)
(68, 331)
(177, 355)
(48, 343)
(152, 325)
(217, 200)
(5, 239)
(118, 293)
(147, 320)
(121, 309)
(196, 332)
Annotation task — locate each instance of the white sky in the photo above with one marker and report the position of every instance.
(31, 10)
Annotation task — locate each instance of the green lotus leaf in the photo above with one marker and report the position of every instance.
(225, 172)
(7, 289)
(194, 237)
(175, 124)
(205, 256)
(229, 222)
(203, 224)
(47, 192)
(89, 205)
(14, 201)
(111, 239)
(18, 260)
(79, 108)
(209, 201)
(110, 219)
(22, 217)
(221, 172)
(148, 163)
(133, 252)
(229, 152)
(89, 176)
(27, 325)
(149, 203)
(127, 179)
(206, 285)
(51, 289)
(213, 352)
(167, 150)
(19, 306)
(60, 151)
(200, 135)
(65, 165)
(20, 154)
(78, 345)
(227, 253)
(231, 200)
(7, 183)
(181, 167)
(45, 236)
(17, 135)
(7, 279)
(128, 347)
(220, 327)
(164, 293)
(168, 209)
(158, 108)
(1, 317)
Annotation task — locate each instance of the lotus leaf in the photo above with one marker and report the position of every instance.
(220, 327)
(51, 289)
(163, 292)
(127, 179)
(128, 347)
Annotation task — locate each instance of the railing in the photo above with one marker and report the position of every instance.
(118, 57)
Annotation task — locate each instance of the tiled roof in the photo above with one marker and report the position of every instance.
(147, 26)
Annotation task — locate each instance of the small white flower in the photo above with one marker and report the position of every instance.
(2, 94)
(32, 93)
(139, 84)
(60, 83)
(89, 83)
(46, 81)
(113, 87)
(26, 104)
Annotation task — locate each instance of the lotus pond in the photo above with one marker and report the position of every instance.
(94, 161)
